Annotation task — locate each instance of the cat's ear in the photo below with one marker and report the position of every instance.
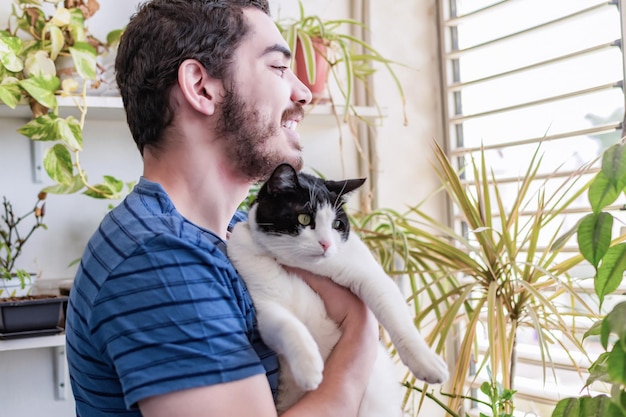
(284, 177)
(344, 187)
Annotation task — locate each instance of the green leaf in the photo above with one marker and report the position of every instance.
(38, 63)
(58, 164)
(594, 236)
(50, 127)
(40, 128)
(84, 56)
(594, 330)
(10, 48)
(10, 92)
(614, 323)
(10, 43)
(69, 132)
(617, 364)
(76, 185)
(77, 25)
(611, 271)
(598, 370)
(101, 191)
(42, 89)
(602, 192)
(114, 36)
(11, 62)
(113, 183)
(57, 40)
(582, 407)
(308, 52)
(614, 165)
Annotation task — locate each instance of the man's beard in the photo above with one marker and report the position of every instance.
(248, 135)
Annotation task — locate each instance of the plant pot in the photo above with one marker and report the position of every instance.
(13, 287)
(318, 88)
(32, 316)
(103, 85)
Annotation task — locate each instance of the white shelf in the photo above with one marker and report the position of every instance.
(111, 108)
(32, 342)
(59, 362)
(99, 108)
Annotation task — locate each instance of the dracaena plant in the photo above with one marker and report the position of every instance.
(507, 272)
(607, 254)
(40, 33)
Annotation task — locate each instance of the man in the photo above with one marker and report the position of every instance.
(159, 323)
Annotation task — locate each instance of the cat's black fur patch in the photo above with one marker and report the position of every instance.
(287, 194)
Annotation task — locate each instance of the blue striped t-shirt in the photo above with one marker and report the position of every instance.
(156, 307)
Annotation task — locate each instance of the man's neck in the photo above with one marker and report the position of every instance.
(203, 188)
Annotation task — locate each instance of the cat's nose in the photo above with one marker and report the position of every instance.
(324, 244)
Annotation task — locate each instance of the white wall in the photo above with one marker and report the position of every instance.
(403, 30)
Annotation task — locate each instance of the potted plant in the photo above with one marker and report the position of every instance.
(324, 48)
(23, 314)
(496, 279)
(31, 50)
(607, 255)
(12, 242)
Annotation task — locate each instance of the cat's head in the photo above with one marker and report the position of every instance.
(302, 213)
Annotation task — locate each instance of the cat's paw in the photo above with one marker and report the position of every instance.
(427, 366)
(307, 372)
(435, 370)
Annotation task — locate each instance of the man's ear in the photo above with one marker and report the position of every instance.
(199, 89)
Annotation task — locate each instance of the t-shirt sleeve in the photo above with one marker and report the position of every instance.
(172, 317)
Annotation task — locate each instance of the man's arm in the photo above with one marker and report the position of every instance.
(346, 373)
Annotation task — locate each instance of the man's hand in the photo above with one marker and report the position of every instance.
(349, 366)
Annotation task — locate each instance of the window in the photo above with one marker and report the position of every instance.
(519, 73)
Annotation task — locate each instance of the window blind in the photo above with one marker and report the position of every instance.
(518, 74)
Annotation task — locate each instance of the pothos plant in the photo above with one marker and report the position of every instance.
(41, 33)
(607, 254)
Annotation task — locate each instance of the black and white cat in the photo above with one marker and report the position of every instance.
(298, 220)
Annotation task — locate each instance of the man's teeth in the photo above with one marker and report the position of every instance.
(290, 124)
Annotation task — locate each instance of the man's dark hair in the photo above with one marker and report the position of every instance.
(160, 36)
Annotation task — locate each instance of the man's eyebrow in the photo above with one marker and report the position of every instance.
(278, 48)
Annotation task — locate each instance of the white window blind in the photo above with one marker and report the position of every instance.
(517, 73)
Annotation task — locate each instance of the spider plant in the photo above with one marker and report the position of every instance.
(350, 59)
(507, 272)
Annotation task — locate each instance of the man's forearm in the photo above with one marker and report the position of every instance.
(346, 372)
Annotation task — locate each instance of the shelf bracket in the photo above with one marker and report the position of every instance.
(36, 160)
(60, 372)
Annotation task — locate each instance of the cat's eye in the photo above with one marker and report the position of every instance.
(304, 219)
(337, 224)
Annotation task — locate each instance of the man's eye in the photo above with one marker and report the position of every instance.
(304, 219)
(280, 68)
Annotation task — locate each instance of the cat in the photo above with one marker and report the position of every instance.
(298, 220)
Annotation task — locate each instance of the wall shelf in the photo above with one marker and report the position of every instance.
(32, 342)
(111, 108)
(57, 343)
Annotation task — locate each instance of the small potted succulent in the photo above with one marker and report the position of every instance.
(23, 314)
(45, 40)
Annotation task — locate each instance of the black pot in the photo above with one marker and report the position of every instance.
(32, 315)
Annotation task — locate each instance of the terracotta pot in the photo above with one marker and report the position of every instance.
(318, 88)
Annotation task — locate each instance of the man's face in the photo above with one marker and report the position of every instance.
(262, 107)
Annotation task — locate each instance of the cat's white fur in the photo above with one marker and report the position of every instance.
(293, 321)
